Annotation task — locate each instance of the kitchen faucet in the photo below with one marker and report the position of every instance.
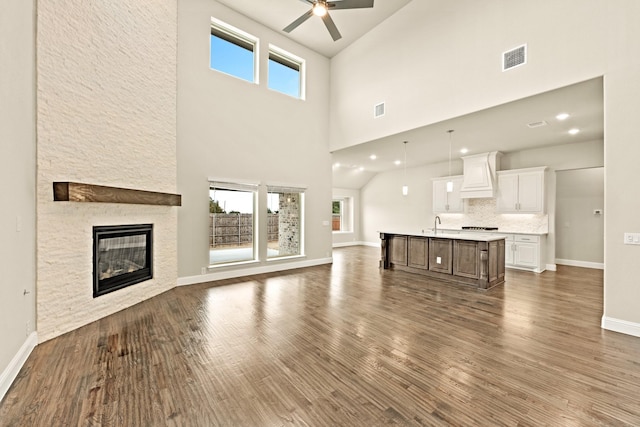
(436, 221)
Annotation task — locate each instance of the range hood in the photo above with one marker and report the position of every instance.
(480, 175)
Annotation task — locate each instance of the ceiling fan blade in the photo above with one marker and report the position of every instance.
(349, 4)
(298, 21)
(331, 26)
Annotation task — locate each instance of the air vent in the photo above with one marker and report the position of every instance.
(514, 57)
(537, 124)
(378, 110)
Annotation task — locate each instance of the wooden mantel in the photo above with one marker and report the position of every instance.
(78, 192)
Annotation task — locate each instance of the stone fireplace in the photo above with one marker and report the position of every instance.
(106, 115)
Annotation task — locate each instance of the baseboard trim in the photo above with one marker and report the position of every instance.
(552, 267)
(622, 326)
(11, 372)
(232, 274)
(345, 244)
(585, 264)
(372, 244)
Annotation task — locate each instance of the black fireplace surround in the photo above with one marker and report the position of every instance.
(122, 256)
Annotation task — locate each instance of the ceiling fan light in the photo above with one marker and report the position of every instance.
(319, 9)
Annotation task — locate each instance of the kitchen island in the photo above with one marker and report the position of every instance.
(467, 258)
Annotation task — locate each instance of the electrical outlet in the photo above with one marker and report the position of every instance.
(632, 238)
(438, 260)
(204, 270)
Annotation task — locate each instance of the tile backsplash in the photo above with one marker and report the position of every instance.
(482, 212)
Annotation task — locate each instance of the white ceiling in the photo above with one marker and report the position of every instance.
(502, 128)
(352, 23)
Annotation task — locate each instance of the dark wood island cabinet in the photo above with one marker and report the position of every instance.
(469, 259)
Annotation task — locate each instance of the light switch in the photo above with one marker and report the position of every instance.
(632, 238)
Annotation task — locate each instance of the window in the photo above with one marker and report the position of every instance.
(341, 214)
(233, 51)
(285, 209)
(285, 72)
(232, 230)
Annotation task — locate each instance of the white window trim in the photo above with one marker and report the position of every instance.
(288, 56)
(242, 185)
(292, 189)
(244, 36)
(346, 214)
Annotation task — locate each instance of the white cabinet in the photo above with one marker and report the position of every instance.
(521, 191)
(525, 252)
(444, 202)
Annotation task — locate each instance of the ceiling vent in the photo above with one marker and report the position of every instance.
(514, 57)
(537, 124)
(378, 110)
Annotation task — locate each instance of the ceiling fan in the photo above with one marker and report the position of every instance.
(321, 8)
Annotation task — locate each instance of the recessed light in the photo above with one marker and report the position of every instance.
(373, 157)
(397, 163)
(336, 165)
(574, 131)
(562, 116)
(360, 168)
(464, 150)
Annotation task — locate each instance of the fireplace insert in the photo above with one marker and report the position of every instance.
(122, 256)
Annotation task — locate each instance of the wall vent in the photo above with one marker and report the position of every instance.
(378, 110)
(537, 124)
(514, 57)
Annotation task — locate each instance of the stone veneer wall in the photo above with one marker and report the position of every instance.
(106, 105)
(289, 217)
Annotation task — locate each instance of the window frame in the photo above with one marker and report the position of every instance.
(292, 61)
(280, 189)
(231, 185)
(346, 214)
(241, 39)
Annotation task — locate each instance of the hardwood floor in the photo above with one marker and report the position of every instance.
(342, 345)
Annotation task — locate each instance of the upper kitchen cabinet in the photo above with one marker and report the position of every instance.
(447, 202)
(521, 191)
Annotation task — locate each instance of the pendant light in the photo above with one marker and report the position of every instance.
(405, 187)
(450, 182)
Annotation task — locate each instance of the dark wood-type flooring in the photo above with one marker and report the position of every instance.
(342, 345)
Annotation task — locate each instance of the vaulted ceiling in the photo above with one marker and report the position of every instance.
(505, 128)
(352, 23)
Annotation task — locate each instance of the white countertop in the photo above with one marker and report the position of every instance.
(477, 237)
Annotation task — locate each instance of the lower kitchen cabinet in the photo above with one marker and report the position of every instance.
(440, 255)
(524, 251)
(398, 252)
(418, 252)
(466, 260)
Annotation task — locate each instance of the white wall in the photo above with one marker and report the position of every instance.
(451, 53)
(232, 129)
(345, 238)
(106, 103)
(18, 175)
(580, 232)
